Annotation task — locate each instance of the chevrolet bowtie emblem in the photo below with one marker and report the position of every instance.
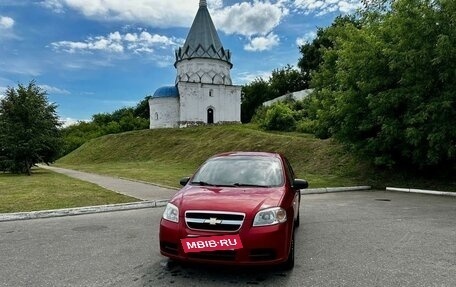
(213, 221)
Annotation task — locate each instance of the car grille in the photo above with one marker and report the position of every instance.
(214, 220)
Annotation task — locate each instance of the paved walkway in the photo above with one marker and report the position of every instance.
(139, 190)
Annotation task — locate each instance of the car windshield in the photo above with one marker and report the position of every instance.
(245, 171)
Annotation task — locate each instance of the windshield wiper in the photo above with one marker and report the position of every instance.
(202, 183)
(249, 185)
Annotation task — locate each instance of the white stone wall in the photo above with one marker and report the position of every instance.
(207, 71)
(164, 112)
(297, 96)
(196, 99)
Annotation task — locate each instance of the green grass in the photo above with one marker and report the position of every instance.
(46, 190)
(165, 155)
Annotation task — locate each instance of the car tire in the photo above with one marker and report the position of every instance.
(289, 264)
(297, 221)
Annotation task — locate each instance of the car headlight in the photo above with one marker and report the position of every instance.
(270, 216)
(171, 213)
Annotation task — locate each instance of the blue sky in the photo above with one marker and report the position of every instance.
(95, 56)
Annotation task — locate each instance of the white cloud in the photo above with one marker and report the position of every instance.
(131, 37)
(176, 13)
(66, 122)
(214, 4)
(249, 19)
(348, 6)
(116, 42)
(262, 43)
(255, 20)
(20, 67)
(308, 37)
(54, 5)
(247, 77)
(6, 22)
(54, 90)
(2, 92)
(162, 61)
(323, 7)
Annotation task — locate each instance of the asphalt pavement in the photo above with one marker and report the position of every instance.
(375, 238)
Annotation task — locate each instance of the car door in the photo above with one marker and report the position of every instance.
(297, 194)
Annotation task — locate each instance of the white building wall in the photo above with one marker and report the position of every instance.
(164, 112)
(207, 71)
(297, 96)
(197, 98)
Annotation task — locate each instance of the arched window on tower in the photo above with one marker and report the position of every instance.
(210, 115)
(211, 93)
(156, 116)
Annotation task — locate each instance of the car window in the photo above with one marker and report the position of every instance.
(241, 171)
(291, 175)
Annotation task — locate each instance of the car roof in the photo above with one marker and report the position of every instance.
(248, 153)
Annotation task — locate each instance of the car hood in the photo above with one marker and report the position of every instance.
(235, 199)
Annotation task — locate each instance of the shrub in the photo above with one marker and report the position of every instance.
(278, 117)
(306, 126)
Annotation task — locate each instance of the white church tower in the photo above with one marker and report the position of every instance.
(203, 91)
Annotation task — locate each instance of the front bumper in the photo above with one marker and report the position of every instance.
(265, 245)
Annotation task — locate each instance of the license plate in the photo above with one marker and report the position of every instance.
(211, 243)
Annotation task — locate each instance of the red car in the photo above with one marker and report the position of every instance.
(239, 208)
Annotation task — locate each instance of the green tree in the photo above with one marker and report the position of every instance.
(286, 80)
(142, 109)
(312, 52)
(387, 89)
(76, 135)
(29, 129)
(253, 95)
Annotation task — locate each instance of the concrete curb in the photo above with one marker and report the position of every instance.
(422, 191)
(334, 189)
(81, 210)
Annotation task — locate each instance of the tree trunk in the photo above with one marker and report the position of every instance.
(28, 167)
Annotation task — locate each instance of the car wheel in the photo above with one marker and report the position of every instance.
(289, 264)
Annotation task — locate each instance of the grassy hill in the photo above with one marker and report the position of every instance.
(165, 155)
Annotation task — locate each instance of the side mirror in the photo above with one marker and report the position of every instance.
(184, 180)
(300, 184)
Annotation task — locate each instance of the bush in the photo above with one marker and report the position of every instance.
(122, 120)
(278, 117)
(306, 126)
